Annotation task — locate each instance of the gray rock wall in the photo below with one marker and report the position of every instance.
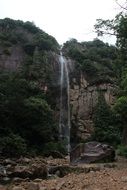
(83, 99)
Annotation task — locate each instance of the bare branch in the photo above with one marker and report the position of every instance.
(121, 6)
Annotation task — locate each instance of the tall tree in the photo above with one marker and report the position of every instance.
(118, 27)
(104, 129)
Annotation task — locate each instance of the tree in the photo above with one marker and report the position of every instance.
(118, 26)
(13, 145)
(120, 109)
(24, 112)
(95, 59)
(123, 6)
(104, 121)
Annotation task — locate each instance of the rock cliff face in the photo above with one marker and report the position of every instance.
(91, 72)
(83, 96)
(83, 99)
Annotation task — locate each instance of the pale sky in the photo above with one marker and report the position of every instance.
(63, 19)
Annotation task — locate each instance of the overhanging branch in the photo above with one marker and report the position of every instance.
(121, 6)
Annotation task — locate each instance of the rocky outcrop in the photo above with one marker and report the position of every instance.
(11, 58)
(83, 99)
(92, 152)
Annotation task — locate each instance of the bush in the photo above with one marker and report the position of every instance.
(88, 67)
(122, 150)
(104, 123)
(13, 145)
(52, 147)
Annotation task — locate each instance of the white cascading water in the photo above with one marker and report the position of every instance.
(64, 122)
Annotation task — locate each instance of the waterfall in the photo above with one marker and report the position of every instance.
(64, 122)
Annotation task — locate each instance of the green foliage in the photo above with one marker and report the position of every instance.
(45, 42)
(26, 116)
(54, 147)
(104, 124)
(27, 35)
(121, 27)
(8, 24)
(12, 145)
(30, 26)
(95, 58)
(29, 48)
(88, 67)
(120, 107)
(25, 112)
(38, 68)
(38, 122)
(118, 27)
(122, 150)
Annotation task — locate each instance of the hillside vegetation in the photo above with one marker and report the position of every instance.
(26, 115)
(27, 95)
(95, 59)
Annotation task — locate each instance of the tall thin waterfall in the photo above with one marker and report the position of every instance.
(64, 122)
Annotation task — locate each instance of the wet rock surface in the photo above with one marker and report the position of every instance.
(92, 152)
(83, 99)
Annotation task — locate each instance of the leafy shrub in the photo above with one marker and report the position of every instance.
(12, 145)
(88, 67)
(24, 111)
(122, 150)
(52, 147)
(76, 54)
(104, 123)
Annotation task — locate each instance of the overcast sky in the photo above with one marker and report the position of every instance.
(63, 19)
